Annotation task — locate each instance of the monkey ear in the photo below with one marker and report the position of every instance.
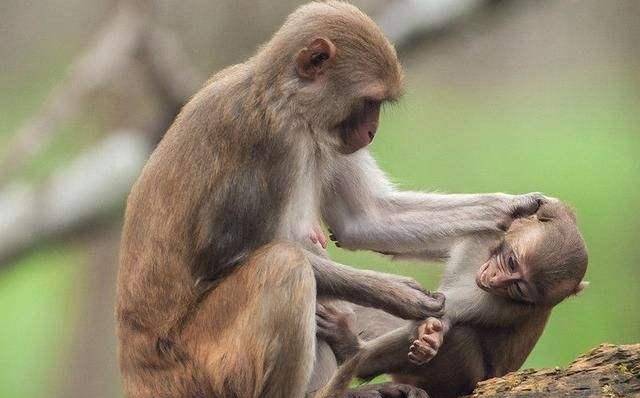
(581, 286)
(314, 59)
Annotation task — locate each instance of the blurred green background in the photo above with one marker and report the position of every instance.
(521, 97)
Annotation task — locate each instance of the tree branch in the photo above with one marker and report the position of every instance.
(606, 371)
(113, 50)
(95, 183)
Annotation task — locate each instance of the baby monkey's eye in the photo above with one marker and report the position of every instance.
(511, 263)
(520, 292)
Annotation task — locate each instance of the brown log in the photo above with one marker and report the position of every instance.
(606, 371)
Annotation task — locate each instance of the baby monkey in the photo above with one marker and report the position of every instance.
(500, 291)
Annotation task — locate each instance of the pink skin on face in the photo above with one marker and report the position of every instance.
(504, 274)
(493, 277)
(366, 130)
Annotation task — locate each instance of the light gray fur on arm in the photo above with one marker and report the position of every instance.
(398, 295)
(365, 211)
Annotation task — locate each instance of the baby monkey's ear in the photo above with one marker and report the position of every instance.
(580, 287)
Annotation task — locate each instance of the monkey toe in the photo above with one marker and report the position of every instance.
(420, 352)
(414, 359)
(431, 340)
(396, 390)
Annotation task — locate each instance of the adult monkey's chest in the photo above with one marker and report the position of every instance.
(301, 211)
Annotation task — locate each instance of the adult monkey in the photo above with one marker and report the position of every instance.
(218, 276)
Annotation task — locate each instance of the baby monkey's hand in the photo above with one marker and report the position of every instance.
(426, 346)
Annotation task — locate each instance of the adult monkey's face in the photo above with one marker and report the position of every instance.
(345, 77)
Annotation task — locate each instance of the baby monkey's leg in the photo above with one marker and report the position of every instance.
(358, 358)
(335, 326)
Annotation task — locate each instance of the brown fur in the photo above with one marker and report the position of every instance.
(209, 305)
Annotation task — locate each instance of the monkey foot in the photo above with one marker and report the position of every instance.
(387, 390)
(426, 346)
(334, 327)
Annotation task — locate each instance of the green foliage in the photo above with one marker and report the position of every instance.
(37, 308)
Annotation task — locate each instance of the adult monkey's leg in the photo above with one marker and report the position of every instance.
(254, 333)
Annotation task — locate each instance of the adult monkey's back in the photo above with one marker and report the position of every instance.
(218, 278)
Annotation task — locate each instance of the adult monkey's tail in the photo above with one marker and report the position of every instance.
(339, 383)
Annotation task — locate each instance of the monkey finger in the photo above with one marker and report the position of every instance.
(326, 317)
(435, 304)
(397, 390)
(326, 308)
(414, 359)
(422, 349)
(418, 359)
(436, 324)
(418, 348)
(322, 323)
(527, 204)
(427, 354)
(363, 394)
(418, 393)
(325, 330)
(423, 328)
(412, 283)
(430, 326)
(431, 340)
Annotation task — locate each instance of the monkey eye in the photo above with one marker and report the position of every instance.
(511, 263)
(520, 292)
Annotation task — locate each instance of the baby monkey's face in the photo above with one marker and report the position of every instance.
(509, 270)
(541, 260)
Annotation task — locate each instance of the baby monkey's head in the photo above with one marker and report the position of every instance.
(541, 260)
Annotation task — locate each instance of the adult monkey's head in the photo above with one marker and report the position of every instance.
(332, 67)
(541, 261)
